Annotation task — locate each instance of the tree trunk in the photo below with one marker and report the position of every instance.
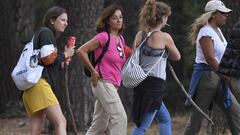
(17, 26)
(82, 17)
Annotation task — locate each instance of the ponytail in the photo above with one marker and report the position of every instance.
(151, 14)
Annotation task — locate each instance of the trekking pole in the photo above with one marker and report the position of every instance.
(189, 97)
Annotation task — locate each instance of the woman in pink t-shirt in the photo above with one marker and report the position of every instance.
(106, 75)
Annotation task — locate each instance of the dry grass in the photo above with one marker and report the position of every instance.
(18, 126)
(15, 126)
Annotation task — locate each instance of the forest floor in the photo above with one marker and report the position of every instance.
(18, 126)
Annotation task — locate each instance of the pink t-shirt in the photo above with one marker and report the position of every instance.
(112, 62)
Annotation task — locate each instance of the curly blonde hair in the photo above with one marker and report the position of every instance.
(151, 14)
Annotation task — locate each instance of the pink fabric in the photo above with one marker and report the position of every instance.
(111, 64)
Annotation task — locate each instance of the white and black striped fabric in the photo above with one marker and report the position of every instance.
(132, 73)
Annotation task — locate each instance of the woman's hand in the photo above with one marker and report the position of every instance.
(94, 78)
(68, 54)
(224, 77)
(69, 51)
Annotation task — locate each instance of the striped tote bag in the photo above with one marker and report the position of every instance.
(132, 73)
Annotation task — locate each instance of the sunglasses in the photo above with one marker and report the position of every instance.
(224, 13)
(120, 50)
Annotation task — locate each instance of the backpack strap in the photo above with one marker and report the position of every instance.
(121, 38)
(144, 34)
(105, 48)
(145, 37)
(35, 39)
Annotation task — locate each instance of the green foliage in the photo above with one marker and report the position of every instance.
(193, 8)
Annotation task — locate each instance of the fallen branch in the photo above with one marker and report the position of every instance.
(189, 97)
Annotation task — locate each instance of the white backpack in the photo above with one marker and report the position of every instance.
(27, 72)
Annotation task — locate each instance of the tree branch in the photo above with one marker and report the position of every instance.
(189, 97)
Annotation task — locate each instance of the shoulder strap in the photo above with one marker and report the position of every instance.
(105, 48)
(36, 37)
(146, 36)
(121, 38)
(156, 62)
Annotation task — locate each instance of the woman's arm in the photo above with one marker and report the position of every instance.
(208, 52)
(49, 54)
(174, 54)
(82, 53)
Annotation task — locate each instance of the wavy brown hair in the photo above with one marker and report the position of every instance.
(103, 20)
(151, 14)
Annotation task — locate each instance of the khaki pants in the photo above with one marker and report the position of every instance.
(209, 91)
(108, 106)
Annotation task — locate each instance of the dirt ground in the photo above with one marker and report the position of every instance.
(18, 126)
(13, 126)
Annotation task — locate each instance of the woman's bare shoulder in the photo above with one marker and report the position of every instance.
(162, 35)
